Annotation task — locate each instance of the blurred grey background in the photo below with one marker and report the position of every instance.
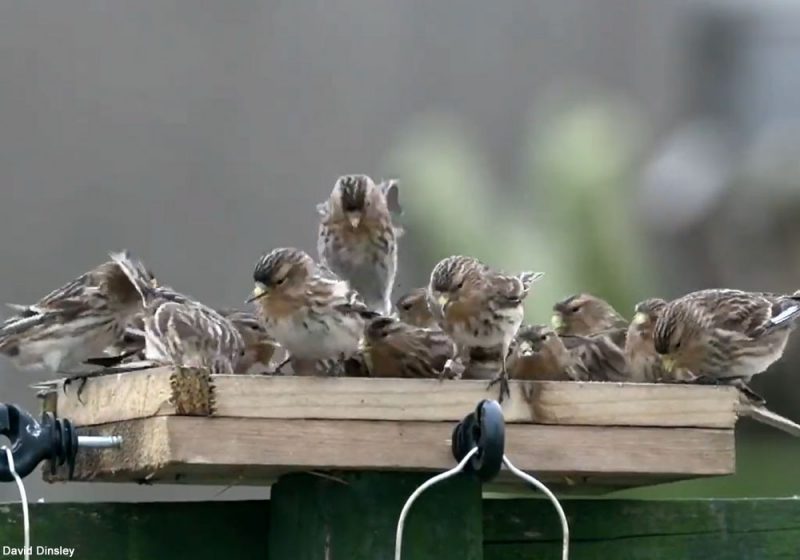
(626, 147)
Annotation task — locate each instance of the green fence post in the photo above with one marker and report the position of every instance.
(355, 518)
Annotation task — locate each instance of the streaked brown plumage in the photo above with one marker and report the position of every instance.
(585, 314)
(725, 335)
(393, 348)
(412, 308)
(357, 239)
(539, 354)
(180, 331)
(259, 346)
(309, 311)
(601, 358)
(479, 307)
(73, 323)
(644, 363)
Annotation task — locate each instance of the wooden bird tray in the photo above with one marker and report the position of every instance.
(191, 427)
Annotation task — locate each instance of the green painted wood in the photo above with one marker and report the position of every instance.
(314, 518)
(766, 529)
(151, 531)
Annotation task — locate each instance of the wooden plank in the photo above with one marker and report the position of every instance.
(143, 531)
(763, 529)
(155, 393)
(137, 394)
(321, 519)
(564, 403)
(229, 448)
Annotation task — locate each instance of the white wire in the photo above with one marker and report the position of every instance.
(425, 485)
(26, 522)
(546, 491)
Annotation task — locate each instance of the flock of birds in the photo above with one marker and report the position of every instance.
(335, 316)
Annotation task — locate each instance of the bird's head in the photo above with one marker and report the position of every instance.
(682, 335)
(532, 339)
(353, 197)
(412, 308)
(281, 272)
(583, 314)
(645, 315)
(453, 280)
(381, 327)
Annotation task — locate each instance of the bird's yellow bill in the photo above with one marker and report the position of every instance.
(354, 219)
(442, 299)
(557, 321)
(668, 363)
(639, 319)
(525, 349)
(258, 291)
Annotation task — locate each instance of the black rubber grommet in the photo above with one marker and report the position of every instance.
(484, 429)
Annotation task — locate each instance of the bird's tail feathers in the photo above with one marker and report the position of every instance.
(789, 314)
(528, 278)
(136, 272)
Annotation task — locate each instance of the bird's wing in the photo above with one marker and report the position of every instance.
(196, 333)
(747, 313)
(511, 290)
(391, 191)
(601, 358)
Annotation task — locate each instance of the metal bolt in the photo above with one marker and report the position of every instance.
(100, 442)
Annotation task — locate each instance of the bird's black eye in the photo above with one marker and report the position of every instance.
(280, 281)
(405, 306)
(678, 345)
(459, 285)
(254, 327)
(574, 308)
(543, 337)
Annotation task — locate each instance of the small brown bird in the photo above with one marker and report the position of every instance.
(725, 336)
(584, 314)
(259, 347)
(180, 331)
(394, 349)
(539, 354)
(412, 308)
(644, 363)
(309, 311)
(72, 324)
(357, 239)
(478, 307)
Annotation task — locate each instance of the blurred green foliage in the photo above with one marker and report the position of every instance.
(568, 212)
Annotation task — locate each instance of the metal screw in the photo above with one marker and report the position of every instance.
(100, 442)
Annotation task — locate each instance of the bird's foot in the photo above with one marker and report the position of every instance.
(505, 390)
(70, 379)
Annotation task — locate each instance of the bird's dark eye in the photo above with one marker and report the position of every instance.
(280, 281)
(678, 345)
(459, 285)
(574, 308)
(405, 306)
(254, 327)
(543, 337)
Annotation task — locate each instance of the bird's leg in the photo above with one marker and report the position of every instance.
(502, 379)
